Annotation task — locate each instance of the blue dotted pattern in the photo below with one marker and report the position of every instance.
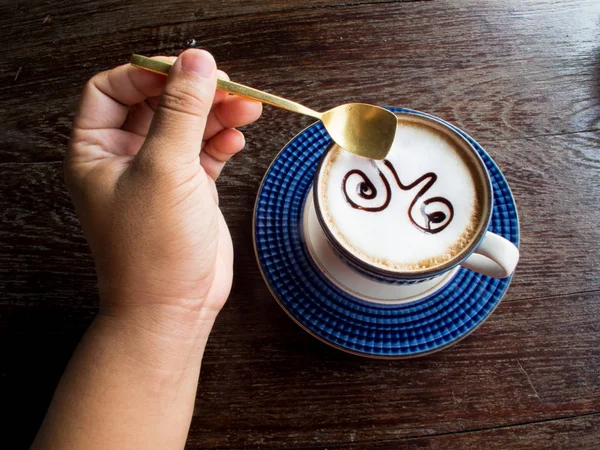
(339, 318)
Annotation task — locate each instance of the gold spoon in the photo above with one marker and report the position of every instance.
(365, 130)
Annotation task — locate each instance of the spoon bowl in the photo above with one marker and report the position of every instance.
(362, 129)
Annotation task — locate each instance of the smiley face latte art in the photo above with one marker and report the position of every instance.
(415, 210)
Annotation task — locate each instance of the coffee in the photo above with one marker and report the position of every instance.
(417, 210)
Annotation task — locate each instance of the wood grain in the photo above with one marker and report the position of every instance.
(555, 183)
(37, 20)
(271, 384)
(522, 77)
(527, 363)
(570, 433)
(533, 70)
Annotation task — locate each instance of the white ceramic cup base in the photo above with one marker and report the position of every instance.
(353, 282)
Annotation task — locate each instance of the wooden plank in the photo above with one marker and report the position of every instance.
(533, 361)
(555, 182)
(571, 433)
(271, 384)
(42, 249)
(40, 20)
(542, 79)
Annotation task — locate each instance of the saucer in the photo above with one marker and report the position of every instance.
(333, 314)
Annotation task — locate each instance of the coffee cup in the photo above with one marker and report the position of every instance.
(416, 215)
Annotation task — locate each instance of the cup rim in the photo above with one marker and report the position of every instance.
(428, 272)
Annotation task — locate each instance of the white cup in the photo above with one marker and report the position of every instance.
(488, 253)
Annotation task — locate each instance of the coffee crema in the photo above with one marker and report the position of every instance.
(416, 210)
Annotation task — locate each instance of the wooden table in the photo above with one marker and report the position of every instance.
(522, 77)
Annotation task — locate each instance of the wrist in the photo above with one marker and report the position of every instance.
(162, 337)
(124, 293)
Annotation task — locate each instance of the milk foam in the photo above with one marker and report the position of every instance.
(388, 239)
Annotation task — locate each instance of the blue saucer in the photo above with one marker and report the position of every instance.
(334, 316)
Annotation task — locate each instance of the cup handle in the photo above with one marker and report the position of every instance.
(495, 257)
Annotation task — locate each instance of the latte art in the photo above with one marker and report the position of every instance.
(366, 190)
(436, 212)
(415, 210)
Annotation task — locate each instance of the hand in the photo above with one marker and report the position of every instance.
(141, 168)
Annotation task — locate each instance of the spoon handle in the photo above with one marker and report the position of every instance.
(162, 67)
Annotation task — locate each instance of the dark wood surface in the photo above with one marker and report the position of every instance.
(522, 77)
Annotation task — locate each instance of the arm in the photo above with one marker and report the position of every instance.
(146, 198)
(127, 386)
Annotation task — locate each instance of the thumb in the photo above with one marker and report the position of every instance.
(175, 136)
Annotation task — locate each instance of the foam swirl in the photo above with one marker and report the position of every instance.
(430, 215)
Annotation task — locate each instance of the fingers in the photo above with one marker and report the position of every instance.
(232, 112)
(228, 111)
(140, 115)
(176, 132)
(107, 96)
(219, 149)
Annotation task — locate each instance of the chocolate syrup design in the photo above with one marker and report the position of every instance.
(434, 221)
